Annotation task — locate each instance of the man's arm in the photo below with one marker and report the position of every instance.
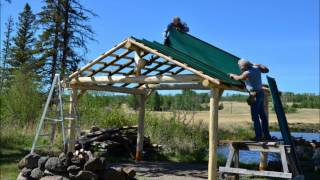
(166, 31)
(263, 68)
(242, 76)
(185, 27)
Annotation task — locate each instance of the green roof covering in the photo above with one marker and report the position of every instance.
(199, 55)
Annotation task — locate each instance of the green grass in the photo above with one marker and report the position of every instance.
(181, 142)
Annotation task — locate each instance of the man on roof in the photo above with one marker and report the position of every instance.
(178, 25)
(251, 75)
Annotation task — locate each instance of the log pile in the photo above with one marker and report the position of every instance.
(115, 142)
(81, 165)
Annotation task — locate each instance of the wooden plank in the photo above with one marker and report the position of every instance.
(230, 156)
(284, 159)
(140, 135)
(213, 133)
(255, 173)
(138, 79)
(104, 55)
(174, 86)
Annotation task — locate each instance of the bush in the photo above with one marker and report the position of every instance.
(21, 102)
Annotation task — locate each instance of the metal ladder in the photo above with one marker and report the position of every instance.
(55, 90)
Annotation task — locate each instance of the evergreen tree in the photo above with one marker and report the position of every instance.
(155, 101)
(48, 44)
(23, 51)
(6, 51)
(75, 34)
(65, 35)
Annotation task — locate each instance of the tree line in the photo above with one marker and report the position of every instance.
(47, 42)
(190, 100)
(35, 47)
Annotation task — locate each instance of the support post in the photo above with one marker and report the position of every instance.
(140, 136)
(72, 120)
(264, 155)
(213, 132)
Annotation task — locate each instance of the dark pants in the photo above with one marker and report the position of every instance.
(259, 117)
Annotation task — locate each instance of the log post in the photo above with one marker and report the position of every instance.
(213, 133)
(264, 155)
(140, 136)
(72, 120)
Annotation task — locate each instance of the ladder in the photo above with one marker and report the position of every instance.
(275, 147)
(55, 102)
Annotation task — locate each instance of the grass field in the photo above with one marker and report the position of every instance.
(238, 114)
(234, 116)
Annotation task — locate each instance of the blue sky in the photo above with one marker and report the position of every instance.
(282, 34)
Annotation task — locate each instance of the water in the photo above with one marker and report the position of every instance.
(254, 157)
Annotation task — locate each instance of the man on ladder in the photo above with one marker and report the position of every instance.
(251, 75)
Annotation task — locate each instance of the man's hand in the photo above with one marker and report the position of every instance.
(243, 76)
(231, 75)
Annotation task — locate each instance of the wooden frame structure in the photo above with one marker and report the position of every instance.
(134, 68)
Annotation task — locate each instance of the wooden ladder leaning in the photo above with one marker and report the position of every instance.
(263, 147)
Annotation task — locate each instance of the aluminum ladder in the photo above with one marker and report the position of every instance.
(55, 96)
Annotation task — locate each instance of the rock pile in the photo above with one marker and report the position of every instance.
(81, 165)
(115, 142)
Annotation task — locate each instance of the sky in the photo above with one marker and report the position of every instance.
(281, 34)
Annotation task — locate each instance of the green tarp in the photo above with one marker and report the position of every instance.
(199, 55)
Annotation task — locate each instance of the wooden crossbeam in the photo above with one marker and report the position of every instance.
(110, 62)
(174, 86)
(138, 79)
(159, 73)
(255, 173)
(104, 55)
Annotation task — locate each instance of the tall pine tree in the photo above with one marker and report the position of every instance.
(6, 52)
(50, 19)
(63, 41)
(23, 51)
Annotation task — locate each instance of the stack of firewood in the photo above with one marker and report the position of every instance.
(115, 142)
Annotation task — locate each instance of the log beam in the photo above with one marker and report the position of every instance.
(213, 133)
(174, 86)
(140, 136)
(138, 79)
(72, 120)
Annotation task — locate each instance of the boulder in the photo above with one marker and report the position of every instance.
(54, 165)
(65, 159)
(26, 172)
(29, 161)
(73, 170)
(37, 173)
(94, 165)
(84, 175)
(42, 161)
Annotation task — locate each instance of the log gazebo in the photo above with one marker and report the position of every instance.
(139, 67)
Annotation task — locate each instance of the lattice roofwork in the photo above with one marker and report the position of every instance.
(136, 65)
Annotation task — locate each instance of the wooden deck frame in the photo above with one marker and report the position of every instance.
(157, 73)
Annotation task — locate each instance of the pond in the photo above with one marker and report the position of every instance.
(254, 157)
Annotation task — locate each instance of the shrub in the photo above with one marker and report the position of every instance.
(21, 102)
